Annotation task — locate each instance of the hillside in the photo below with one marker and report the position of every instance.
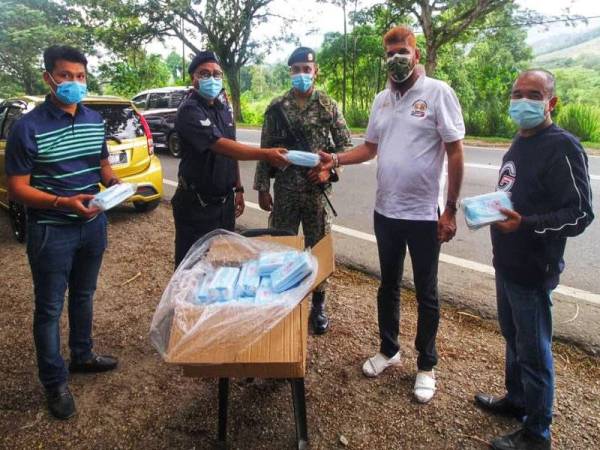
(554, 42)
(590, 48)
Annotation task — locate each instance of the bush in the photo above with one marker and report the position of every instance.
(486, 122)
(253, 110)
(356, 117)
(581, 120)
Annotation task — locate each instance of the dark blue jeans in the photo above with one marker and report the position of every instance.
(393, 237)
(525, 316)
(64, 256)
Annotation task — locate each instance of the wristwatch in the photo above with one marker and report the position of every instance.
(450, 205)
(238, 189)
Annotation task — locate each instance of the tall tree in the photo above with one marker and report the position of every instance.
(27, 27)
(224, 26)
(447, 21)
(136, 73)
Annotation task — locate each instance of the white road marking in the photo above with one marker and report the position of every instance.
(497, 168)
(579, 294)
(470, 165)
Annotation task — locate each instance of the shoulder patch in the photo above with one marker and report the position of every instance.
(205, 122)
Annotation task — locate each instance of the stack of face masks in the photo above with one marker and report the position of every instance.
(202, 291)
(291, 273)
(281, 271)
(301, 158)
(270, 261)
(484, 209)
(265, 292)
(223, 285)
(249, 280)
(113, 196)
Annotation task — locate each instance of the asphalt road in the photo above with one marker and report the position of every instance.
(466, 276)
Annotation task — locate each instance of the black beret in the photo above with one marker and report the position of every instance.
(302, 54)
(202, 57)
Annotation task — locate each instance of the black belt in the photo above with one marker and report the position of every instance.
(204, 199)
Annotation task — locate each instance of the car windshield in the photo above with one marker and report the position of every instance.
(121, 121)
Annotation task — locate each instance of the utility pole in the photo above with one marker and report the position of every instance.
(345, 61)
(182, 52)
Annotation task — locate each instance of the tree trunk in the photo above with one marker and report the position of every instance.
(233, 78)
(431, 59)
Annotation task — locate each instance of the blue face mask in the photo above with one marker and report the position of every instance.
(210, 88)
(302, 82)
(70, 92)
(527, 113)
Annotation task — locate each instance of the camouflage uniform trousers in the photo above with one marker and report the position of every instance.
(290, 208)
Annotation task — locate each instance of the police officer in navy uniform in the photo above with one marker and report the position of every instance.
(210, 194)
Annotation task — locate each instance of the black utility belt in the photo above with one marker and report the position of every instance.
(203, 198)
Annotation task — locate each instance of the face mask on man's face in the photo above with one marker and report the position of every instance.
(400, 67)
(527, 113)
(302, 82)
(210, 88)
(69, 92)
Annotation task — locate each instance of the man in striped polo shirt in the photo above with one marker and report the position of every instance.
(56, 156)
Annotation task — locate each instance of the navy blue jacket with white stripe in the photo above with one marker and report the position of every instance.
(547, 176)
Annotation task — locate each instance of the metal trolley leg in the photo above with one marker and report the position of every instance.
(223, 403)
(299, 400)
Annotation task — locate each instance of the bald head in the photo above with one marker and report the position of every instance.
(539, 83)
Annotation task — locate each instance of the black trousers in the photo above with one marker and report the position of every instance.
(192, 220)
(393, 236)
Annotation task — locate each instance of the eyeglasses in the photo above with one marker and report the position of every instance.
(206, 74)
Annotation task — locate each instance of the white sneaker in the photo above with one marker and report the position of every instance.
(424, 386)
(378, 363)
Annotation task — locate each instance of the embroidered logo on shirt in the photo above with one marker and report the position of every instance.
(205, 122)
(508, 175)
(419, 108)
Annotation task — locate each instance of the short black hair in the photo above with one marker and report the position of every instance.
(550, 79)
(64, 52)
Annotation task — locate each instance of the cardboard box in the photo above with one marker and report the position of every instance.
(278, 353)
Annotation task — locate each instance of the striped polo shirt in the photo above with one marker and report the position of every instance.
(60, 152)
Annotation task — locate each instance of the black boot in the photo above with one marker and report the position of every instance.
(60, 402)
(521, 440)
(318, 318)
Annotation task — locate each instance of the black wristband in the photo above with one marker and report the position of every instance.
(238, 189)
(451, 206)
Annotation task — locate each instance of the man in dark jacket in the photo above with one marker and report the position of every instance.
(546, 172)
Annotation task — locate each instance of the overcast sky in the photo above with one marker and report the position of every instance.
(324, 18)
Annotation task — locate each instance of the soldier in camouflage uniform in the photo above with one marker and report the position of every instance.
(315, 121)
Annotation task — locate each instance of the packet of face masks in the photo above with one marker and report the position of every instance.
(222, 286)
(201, 296)
(291, 273)
(113, 196)
(269, 261)
(484, 209)
(301, 158)
(265, 293)
(249, 280)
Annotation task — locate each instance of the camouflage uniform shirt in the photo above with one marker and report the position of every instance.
(318, 120)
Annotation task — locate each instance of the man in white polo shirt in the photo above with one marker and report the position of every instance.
(414, 124)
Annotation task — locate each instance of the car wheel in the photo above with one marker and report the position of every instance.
(146, 206)
(174, 145)
(18, 220)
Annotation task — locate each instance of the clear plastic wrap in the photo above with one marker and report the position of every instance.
(483, 210)
(202, 311)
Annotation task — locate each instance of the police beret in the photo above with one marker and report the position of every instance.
(302, 54)
(202, 57)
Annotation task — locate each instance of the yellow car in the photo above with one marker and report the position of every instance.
(130, 146)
